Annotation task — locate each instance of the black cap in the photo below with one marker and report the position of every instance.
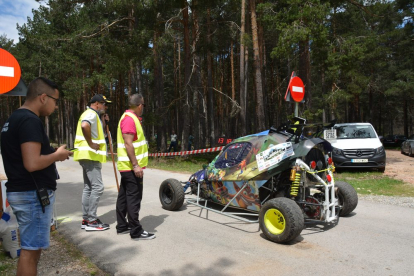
(99, 98)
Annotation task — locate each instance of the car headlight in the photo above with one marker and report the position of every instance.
(336, 151)
(379, 150)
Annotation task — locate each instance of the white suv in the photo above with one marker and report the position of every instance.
(357, 146)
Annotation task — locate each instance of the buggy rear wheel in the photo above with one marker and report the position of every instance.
(281, 220)
(171, 194)
(347, 197)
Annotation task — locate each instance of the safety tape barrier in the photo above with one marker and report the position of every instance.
(186, 152)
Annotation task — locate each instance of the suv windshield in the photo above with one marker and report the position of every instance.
(355, 132)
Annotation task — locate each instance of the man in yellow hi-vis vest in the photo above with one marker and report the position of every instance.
(132, 160)
(90, 151)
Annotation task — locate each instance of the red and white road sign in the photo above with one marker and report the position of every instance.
(9, 72)
(297, 89)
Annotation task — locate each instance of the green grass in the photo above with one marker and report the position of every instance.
(375, 183)
(189, 164)
(366, 183)
(7, 265)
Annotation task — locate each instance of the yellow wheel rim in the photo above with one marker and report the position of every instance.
(275, 221)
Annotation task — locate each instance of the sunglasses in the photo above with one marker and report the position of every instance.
(56, 100)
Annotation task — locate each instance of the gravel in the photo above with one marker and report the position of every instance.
(61, 258)
(389, 200)
(399, 166)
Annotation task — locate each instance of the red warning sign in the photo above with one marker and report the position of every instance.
(297, 89)
(9, 72)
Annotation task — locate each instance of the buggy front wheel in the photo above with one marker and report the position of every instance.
(171, 194)
(281, 220)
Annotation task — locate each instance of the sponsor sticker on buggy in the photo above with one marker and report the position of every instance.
(329, 134)
(273, 155)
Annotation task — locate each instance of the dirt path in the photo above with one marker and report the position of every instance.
(400, 166)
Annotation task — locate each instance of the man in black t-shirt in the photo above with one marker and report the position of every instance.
(29, 163)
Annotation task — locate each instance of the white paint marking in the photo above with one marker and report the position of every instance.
(6, 71)
(297, 89)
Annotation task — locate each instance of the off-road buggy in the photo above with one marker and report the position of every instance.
(279, 176)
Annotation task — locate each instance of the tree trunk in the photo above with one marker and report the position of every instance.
(210, 109)
(323, 90)
(258, 73)
(196, 80)
(187, 76)
(233, 81)
(406, 118)
(131, 87)
(304, 70)
(370, 103)
(139, 78)
(243, 91)
(178, 114)
(159, 101)
(130, 77)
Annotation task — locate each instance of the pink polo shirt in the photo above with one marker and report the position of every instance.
(128, 126)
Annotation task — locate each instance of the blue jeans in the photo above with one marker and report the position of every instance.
(93, 188)
(34, 225)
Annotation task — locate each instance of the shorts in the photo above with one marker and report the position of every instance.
(34, 225)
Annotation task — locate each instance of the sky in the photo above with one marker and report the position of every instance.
(13, 12)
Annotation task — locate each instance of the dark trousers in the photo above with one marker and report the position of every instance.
(173, 145)
(129, 203)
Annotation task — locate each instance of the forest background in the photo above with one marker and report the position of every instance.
(221, 67)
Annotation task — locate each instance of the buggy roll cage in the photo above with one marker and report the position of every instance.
(329, 207)
(235, 215)
(296, 129)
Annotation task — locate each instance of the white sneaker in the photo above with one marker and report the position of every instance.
(144, 236)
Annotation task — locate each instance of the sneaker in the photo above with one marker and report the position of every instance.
(84, 223)
(144, 236)
(123, 232)
(96, 225)
(103, 224)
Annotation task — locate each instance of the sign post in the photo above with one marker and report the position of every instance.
(295, 91)
(9, 71)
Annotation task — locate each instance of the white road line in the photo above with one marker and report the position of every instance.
(297, 89)
(6, 71)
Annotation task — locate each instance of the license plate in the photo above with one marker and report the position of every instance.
(359, 160)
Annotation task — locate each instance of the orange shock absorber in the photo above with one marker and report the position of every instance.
(295, 178)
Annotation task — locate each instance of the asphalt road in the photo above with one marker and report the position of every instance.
(374, 240)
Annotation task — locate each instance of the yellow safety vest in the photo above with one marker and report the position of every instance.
(140, 147)
(85, 152)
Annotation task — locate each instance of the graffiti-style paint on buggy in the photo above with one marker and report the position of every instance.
(253, 159)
